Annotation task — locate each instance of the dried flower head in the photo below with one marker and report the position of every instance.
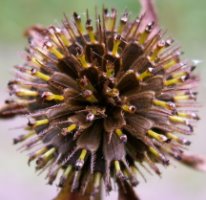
(104, 98)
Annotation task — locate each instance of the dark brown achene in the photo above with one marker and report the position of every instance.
(103, 100)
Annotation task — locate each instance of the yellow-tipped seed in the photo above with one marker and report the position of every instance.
(64, 39)
(112, 92)
(129, 108)
(90, 31)
(37, 154)
(83, 154)
(117, 166)
(177, 119)
(173, 81)
(41, 151)
(50, 152)
(80, 161)
(68, 171)
(97, 179)
(170, 64)
(36, 62)
(89, 96)
(109, 70)
(144, 35)
(78, 22)
(24, 137)
(179, 74)
(181, 97)
(41, 75)
(144, 75)
(42, 160)
(26, 93)
(52, 97)
(122, 24)
(178, 139)
(55, 51)
(83, 61)
(167, 105)
(117, 42)
(158, 137)
(121, 135)
(41, 122)
(159, 48)
(71, 128)
(154, 152)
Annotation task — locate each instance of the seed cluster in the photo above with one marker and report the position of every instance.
(103, 100)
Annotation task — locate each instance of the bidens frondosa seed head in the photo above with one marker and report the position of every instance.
(104, 98)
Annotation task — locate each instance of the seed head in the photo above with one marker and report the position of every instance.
(104, 98)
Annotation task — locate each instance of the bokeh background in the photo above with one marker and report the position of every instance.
(185, 20)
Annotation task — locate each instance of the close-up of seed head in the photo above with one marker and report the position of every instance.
(105, 96)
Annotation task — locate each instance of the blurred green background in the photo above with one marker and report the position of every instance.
(185, 20)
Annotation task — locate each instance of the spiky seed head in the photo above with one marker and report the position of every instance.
(102, 100)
